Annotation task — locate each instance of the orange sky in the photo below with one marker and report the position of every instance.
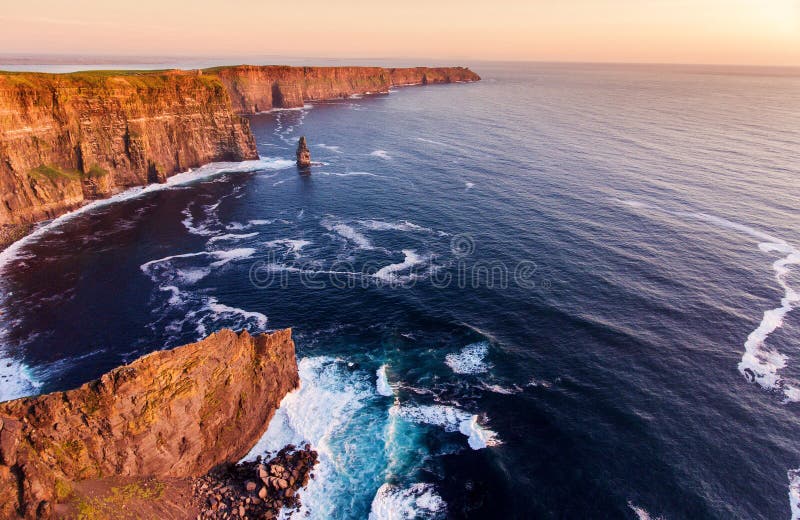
(763, 32)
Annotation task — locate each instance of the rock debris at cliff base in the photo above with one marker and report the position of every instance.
(255, 489)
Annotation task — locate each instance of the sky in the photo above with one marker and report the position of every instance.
(754, 32)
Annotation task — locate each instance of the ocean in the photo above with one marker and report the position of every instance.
(566, 291)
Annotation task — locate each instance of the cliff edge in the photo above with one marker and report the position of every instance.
(69, 138)
(170, 414)
(256, 89)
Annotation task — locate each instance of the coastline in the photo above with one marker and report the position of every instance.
(59, 156)
(171, 414)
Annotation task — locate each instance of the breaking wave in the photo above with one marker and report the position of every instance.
(642, 514)
(760, 363)
(396, 503)
(382, 382)
(471, 359)
(382, 154)
(188, 177)
(389, 272)
(451, 419)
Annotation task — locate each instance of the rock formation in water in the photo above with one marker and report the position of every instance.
(170, 414)
(69, 138)
(303, 153)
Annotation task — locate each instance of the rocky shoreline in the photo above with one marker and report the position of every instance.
(255, 489)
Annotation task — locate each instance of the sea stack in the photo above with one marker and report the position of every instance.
(303, 154)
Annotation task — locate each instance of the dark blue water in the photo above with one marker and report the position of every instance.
(552, 276)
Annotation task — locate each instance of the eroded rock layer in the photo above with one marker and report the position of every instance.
(68, 138)
(175, 413)
(256, 89)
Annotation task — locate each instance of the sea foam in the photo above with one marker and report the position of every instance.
(382, 382)
(382, 154)
(416, 501)
(471, 359)
(451, 419)
(642, 514)
(389, 272)
(794, 493)
(181, 179)
(760, 363)
(16, 380)
(322, 412)
(347, 232)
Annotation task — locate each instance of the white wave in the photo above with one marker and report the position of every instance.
(760, 363)
(16, 380)
(642, 514)
(147, 266)
(238, 226)
(320, 412)
(451, 419)
(348, 174)
(347, 232)
(396, 503)
(163, 272)
(382, 382)
(794, 492)
(335, 149)
(203, 227)
(389, 273)
(307, 106)
(180, 179)
(380, 225)
(471, 359)
(225, 257)
(382, 154)
(293, 246)
(220, 309)
(469, 185)
(231, 236)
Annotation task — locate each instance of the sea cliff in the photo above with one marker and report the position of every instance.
(69, 138)
(256, 89)
(171, 414)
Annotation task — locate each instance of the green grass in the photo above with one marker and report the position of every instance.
(115, 505)
(96, 172)
(53, 174)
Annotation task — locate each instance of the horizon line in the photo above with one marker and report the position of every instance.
(40, 58)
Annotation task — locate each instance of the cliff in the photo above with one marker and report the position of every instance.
(69, 138)
(170, 414)
(256, 89)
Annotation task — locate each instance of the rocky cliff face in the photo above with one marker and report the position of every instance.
(68, 138)
(175, 413)
(256, 89)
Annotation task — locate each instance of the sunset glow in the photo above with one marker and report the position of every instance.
(762, 32)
